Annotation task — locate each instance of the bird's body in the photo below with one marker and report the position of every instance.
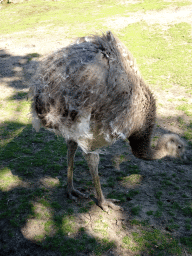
(91, 93)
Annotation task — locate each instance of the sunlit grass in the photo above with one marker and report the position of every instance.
(28, 15)
(133, 179)
(171, 57)
(186, 108)
(154, 242)
(8, 180)
(101, 227)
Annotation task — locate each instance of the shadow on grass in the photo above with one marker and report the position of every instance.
(15, 211)
(16, 71)
(25, 165)
(36, 218)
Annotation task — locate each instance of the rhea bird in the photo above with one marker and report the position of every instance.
(91, 93)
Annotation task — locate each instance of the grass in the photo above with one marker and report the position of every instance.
(186, 108)
(135, 210)
(133, 169)
(186, 127)
(7, 179)
(101, 227)
(65, 226)
(110, 182)
(158, 194)
(152, 241)
(132, 193)
(133, 179)
(187, 241)
(163, 47)
(83, 210)
(118, 196)
(149, 213)
(21, 17)
(33, 165)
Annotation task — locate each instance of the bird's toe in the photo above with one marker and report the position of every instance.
(109, 203)
(74, 194)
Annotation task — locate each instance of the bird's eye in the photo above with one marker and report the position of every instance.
(179, 146)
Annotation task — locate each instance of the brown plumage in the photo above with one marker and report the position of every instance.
(92, 94)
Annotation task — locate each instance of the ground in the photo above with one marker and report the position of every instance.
(37, 218)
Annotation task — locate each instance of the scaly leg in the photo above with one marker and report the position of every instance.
(72, 147)
(93, 161)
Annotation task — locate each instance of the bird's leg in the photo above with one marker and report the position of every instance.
(72, 147)
(93, 161)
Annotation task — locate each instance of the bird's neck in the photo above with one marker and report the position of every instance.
(154, 153)
(142, 149)
(149, 154)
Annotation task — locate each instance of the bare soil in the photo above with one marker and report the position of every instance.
(165, 17)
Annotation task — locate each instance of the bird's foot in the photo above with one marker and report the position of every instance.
(104, 204)
(74, 193)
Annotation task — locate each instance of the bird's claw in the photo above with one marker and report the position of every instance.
(74, 193)
(110, 203)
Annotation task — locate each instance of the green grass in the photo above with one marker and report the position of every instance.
(136, 210)
(152, 241)
(133, 169)
(150, 43)
(149, 213)
(116, 195)
(186, 108)
(132, 193)
(7, 179)
(101, 227)
(188, 132)
(133, 179)
(68, 14)
(111, 182)
(19, 96)
(33, 55)
(158, 214)
(187, 241)
(53, 13)
(26, 157)
(158, 194)
(187, 211)
(83, 210)
(71, 246)
(57, 206)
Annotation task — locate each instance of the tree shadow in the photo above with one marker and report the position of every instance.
(29, 180)
(16, 71)
(37, 218)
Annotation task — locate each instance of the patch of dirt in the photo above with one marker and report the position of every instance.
(127, 2)
(164, 17)
(167, 101)
(42, 40)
